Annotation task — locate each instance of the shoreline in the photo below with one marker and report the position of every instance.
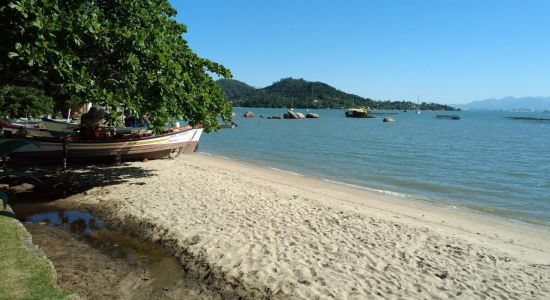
(430, 209)
(435, 203)
(257, 232)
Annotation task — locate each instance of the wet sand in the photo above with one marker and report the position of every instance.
(101, 263)
(256, 232)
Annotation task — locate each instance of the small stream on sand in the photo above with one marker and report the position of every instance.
(100, 262)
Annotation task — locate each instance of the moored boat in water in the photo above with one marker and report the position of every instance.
(449, 117)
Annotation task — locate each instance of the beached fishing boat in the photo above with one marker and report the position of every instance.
(6, 127)
(59, 128)
(359, 113)
(23, 130)
(168, 144)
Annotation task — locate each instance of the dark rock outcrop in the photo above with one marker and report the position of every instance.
(312, 116)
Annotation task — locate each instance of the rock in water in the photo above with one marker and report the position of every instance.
(388, 119)
(290, 115)
(248, 114)
(312, 116)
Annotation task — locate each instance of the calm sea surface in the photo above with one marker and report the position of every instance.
(483, 162)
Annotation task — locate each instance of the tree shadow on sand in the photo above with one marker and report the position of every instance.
(75, 179)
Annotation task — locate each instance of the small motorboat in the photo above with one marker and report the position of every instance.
(449, 117)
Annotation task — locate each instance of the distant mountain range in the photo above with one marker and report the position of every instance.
(300, 93)
(509, 103)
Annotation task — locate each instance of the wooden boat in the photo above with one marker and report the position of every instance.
(359, 113)
(59, 128)
(22, 130)
(11, 128)
(168, 144)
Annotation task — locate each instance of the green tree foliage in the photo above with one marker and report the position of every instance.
(23, 101)
(299, 93)
(121, 54)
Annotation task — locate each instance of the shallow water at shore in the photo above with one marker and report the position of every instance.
(483, 162)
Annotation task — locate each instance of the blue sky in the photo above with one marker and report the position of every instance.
(449, 51)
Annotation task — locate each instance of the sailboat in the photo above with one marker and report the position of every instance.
(418, 105)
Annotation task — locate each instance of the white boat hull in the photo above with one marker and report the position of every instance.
(184, 140)
(59, 128)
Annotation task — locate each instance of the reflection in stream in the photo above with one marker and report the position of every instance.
(79, 223)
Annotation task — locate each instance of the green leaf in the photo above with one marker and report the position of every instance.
(91, 51)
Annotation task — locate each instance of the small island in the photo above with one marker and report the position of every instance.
(300, 93)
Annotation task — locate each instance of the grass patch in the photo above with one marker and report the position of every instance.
(23, 273)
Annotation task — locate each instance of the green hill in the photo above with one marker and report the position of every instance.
(234, 88)
(299, 93)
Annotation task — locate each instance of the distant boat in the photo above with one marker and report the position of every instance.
(230, 125)
(531, 119)
(418, 105)
(359, 113)
(450, 117)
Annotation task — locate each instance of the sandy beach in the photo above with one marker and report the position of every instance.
(255, 232)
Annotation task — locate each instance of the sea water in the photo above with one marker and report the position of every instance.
(484, 161)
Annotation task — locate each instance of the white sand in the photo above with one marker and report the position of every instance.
(269, 233)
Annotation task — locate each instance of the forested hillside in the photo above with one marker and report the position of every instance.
(300, 93)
